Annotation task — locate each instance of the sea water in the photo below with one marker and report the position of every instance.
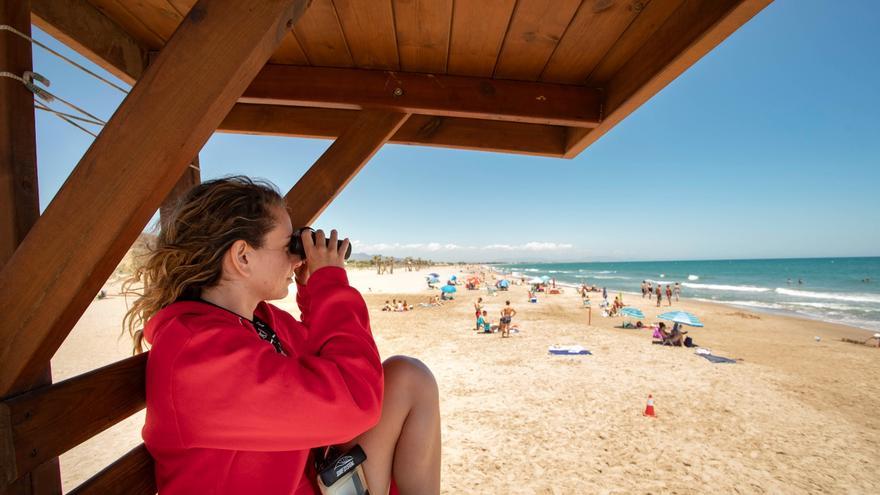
(839, 290)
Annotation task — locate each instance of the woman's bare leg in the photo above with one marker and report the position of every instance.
(406, 442)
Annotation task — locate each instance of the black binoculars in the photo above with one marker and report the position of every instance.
(296, 246)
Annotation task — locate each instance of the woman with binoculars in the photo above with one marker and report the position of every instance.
(239, 393)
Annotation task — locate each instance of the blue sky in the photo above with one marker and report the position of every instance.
(767, 147)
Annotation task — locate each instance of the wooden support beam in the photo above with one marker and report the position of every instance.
(340, 163)
(694, 29)
(131, 474)
(79, 25)
(426, 94)
(423, 130)
(19, 198)
(127, 172)
(50, 421)
(19, 206)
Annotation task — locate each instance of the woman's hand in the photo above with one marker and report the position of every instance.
(320, 253)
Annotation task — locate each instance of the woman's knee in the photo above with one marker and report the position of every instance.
(411, 374)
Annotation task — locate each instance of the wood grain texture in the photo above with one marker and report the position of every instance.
(122, 16)
(131, 474)
(652, 16)
(77, 24)
(426, 94)
(423, 28)
(19, 196)
(50, 421)
(317, 188)
(694, 29)
(61, 264)
(593, 31)
(535, 30)
(478, 29)
(321, 36)
(369, 28)
(447, 132)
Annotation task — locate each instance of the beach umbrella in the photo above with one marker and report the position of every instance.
(503, 283)
(545, 277)
(435, 275)
(682, 317)
(453, 278)
(433, 280)
(632, 312)
(536, 280)
(448, 288)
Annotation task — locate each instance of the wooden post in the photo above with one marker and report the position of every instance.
(19, 201)
(130, 168)
(340, 163)
(19, 195)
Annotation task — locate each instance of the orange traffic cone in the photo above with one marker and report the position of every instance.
(649, 409)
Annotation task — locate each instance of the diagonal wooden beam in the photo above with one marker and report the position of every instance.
(127, 172)
(79, 25)
(423, 130)
(426, 94)
(339, 164)
(694, 29)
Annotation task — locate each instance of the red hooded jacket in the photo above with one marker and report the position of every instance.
(227, 414)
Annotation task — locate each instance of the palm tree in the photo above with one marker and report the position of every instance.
(377, 260)
(390, 261)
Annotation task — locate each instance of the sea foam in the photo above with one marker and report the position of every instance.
(737, 288)
(853, 297)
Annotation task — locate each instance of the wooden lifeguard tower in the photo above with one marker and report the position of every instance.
(540, 77)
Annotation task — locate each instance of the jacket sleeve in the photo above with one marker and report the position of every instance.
(232, 391)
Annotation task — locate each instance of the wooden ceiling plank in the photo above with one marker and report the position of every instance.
(154, 134)
(289, 52)
(653, 15)
(79, 25)
(342, 161)
(320, 36)
(594, 30)
(423, 34)
(478, 30)
(427, 94)
(423, 130)
(368, 26)
(129, 23)
(535, 30)
(182, 6)
(694, 29)
(158, 15)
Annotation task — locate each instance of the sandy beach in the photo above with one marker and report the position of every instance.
(792, 415)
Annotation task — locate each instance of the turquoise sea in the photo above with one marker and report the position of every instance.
(839, 290)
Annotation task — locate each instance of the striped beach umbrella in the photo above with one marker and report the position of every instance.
(632, 312)
(682, 317)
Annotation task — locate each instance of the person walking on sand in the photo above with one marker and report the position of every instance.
(604, 294)
(677, 291)
(644, 288)
(507, 314)
(478, 310)
(668, 295)
(659, 295)
(650, 290)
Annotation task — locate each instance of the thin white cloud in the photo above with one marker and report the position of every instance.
(436, 246)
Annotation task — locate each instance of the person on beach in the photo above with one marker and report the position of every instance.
(659, 295)
(650, 290)
(507, 314)
(668, 295)
(604, 293)
(677, 291)
(239, 392)
(478, 309)
(644, 288)
(483, 322)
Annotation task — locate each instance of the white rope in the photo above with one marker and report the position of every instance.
(6, 27)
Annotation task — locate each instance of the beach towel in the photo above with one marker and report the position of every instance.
(568, 350)
(717, 359)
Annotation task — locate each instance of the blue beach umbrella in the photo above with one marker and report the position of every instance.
(435, 275)
(448, 288)
(682, 317)
(632, 312)
(545, 277)
(503, 283)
